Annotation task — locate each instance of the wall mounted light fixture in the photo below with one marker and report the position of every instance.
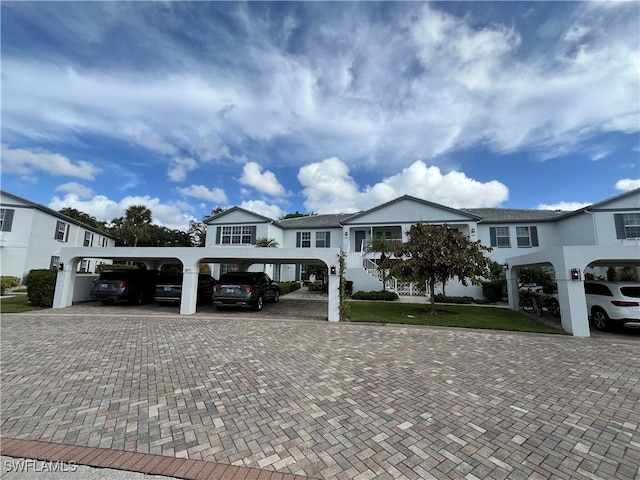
(575, 274)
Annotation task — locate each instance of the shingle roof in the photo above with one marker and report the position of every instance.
(332, 220)
(497, 215)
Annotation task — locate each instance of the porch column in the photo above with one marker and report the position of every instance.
(188, 300)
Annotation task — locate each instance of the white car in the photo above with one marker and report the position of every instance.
(613, 303)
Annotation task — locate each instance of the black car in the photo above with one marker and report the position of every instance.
(169, 288)
(245, 289)
(135, 286)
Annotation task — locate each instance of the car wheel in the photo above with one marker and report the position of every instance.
(554, 307)
(106, 302)
(600, 319)
(259, 303)
(276, 297)
(219, 308)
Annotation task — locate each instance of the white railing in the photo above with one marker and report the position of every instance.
(411, 289)
(631, 242)
(366, 244)
(391, 282)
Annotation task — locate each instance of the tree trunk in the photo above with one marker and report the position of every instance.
(432, 291)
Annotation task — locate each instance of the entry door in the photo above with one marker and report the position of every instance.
(360, 236)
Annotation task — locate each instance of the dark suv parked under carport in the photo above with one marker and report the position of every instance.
(135, 286)
(245, 289)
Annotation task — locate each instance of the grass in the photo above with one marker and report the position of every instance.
(466, 316)
(17, 304)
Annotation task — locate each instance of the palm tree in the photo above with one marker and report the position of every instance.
(385, 247)
(265, 242)
(137, 219)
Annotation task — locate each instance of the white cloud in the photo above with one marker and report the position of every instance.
(28, 162)
(180, 167)
(628, 184)
(215, 195)
(328, 188)
(262, 208)
(81, 191)
(564, 206)
(266, 182)
(103, 208)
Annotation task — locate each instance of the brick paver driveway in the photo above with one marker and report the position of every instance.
(343, 401)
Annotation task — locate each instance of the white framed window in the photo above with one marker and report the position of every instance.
(303, 240)
(55, 263)
(500, 237)
(627, 225)
(237, 235)
(527, 237)
(88, 239)
(323, 239)
(62, 231)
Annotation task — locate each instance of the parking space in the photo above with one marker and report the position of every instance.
(327, 400)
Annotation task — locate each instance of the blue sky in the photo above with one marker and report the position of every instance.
(318, 106)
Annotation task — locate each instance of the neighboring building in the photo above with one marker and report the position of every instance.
(31, 236)
(510, 233)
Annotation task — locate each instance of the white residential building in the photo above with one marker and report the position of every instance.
(510, 233)
(32, 235)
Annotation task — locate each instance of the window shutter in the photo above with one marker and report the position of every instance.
(254, 229)
(66, 236)
(327, 239)
(298, 241)
(8, 220)
(298, 271)
(619, 219)
(534, 236)
(492, 234)
(218, 233)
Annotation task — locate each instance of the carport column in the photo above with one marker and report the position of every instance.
(63, 294)
(189, 290)
(513, 292)
(334, 298)
(574, 314)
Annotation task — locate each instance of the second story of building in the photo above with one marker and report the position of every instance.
(26, 224)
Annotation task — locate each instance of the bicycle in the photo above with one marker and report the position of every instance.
(527, 301)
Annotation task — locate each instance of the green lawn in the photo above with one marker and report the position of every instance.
(15, 304)
(468, 316)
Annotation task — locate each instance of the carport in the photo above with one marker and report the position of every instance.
(569, 264)
(191, 257)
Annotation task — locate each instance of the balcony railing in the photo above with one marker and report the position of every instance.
(393, 242)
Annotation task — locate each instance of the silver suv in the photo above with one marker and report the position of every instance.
(612, 303)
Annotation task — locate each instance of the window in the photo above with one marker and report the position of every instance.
(527, 237)
(303, 240)
(62, 231)
(55, 261)
(84, 266)
(500, 237)
(6, 219)
(88, 239)
(323, 239)
(627, 225)
(237, 235)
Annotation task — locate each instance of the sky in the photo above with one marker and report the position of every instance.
(322, 107)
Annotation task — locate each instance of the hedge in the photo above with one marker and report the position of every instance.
(287, 287)
(41, 285)
(494, 290)
(8, 281)
(375, 295)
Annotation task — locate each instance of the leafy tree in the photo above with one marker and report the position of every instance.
(198, 233)
(296, 214)
(83, 217)
(385, 247)
(434, 253)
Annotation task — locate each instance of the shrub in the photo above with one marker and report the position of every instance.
(8, 281)
(287, 287)
(41, 285)
(348, 287)
(318, 287)
(440, 298)
(375, 295)
(494, 290)
(116, 266)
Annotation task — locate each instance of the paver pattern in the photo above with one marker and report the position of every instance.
(331, 401)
